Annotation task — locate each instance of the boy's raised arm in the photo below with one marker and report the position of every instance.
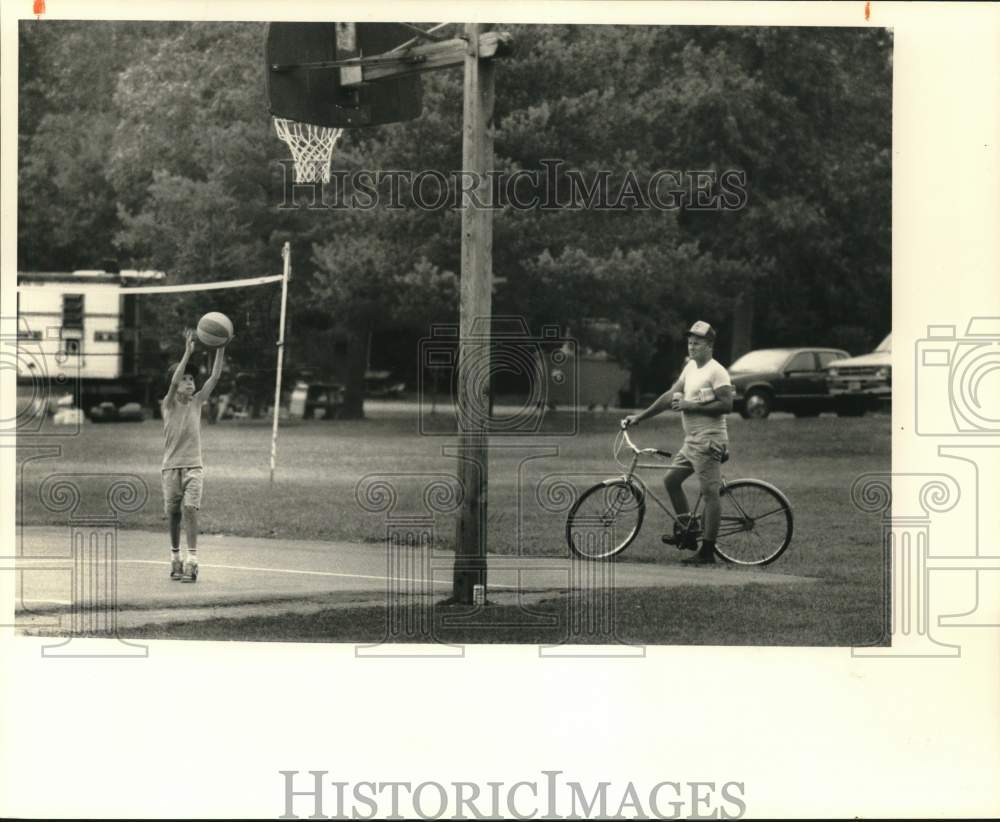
(178, 374)
(213, 378)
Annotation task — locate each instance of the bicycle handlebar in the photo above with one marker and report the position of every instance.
(626, 439)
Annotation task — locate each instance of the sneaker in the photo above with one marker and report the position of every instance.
(686, 542)
(685, 536)
(176, 569)
(190, 571)
(705, 556)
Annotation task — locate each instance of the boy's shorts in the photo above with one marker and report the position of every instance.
(705, 458)
(182, 486)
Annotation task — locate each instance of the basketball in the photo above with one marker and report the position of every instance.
(214, 330)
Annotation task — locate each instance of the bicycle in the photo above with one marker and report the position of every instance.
(756, 525)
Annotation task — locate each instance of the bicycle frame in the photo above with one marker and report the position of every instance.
(746, 505)
(630, 476)
(743, 537)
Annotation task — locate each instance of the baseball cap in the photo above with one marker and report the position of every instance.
(702, 329)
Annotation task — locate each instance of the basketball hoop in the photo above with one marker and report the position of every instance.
(312, 148)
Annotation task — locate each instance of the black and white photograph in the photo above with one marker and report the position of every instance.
(568, 379)
(553, 346)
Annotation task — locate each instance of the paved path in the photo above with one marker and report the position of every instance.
(242, 576)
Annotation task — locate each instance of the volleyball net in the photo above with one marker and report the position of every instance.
(148, 322)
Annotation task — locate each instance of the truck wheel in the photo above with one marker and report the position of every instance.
(851, 408)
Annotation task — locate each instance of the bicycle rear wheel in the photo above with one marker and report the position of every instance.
(756, 525)
(605, 519)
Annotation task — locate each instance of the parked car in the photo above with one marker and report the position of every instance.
(68, 416)
(864, 383)
(316, 400)
(107, 412)
(381, 385)
(783, 379)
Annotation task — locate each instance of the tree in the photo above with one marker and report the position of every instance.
(384, 267)
(803, 113)
(190, 167)
(67, 72)
(373, 277)
(195, 163)
(165, 148)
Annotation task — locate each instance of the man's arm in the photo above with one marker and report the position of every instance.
(178, 375)
(213, 378)
(722, 404)
(659, 405)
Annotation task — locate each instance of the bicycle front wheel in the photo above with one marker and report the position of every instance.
(756, 525)
(605, 519)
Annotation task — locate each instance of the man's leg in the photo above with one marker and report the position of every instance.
(713, 511)
(673, 481)
(712, 514)
(709, 470)
(679, 471)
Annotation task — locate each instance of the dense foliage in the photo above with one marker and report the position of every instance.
(152, 143)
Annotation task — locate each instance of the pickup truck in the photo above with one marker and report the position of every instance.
(860, 384)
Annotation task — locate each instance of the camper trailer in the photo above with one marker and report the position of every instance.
(84, 324)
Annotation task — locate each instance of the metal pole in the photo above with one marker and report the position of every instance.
(286, 256)
(475, 324)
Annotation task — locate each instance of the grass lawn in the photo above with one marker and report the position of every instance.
(316, 496)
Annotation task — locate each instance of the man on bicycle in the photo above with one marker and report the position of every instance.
(703, 394)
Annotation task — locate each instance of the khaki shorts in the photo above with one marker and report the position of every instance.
(705, 458)
(182, 487)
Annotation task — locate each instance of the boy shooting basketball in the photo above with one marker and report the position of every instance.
(182, 469)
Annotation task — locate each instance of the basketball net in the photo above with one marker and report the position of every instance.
(312, 148)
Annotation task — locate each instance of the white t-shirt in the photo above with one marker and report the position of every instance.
(700, 385)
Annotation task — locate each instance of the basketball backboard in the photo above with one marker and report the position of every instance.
(303, 86)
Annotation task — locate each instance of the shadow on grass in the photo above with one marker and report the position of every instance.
(746, 615)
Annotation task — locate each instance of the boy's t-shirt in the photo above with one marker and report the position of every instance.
(182, 433)
(700, 385)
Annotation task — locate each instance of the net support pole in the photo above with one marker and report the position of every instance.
(286, 257)
(475, 323)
